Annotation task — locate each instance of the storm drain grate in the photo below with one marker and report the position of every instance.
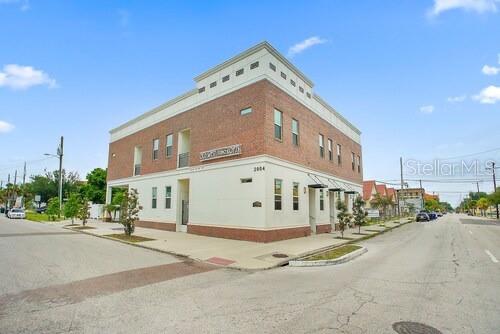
(409, 327)
(280, 255)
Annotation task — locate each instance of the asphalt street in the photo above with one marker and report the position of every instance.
(443, 274)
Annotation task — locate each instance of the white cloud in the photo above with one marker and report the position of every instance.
(456, 99)
(427, 109)
(5, 127)
(24, 5)
(490, 70)
(304, 45)
(23, 77)
(479, 6)
(489, 95)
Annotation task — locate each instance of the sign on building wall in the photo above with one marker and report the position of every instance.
(221, 152)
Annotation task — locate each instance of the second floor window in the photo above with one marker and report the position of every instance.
(359, 163)
(156, 148)
(154, 197)
(339, 154)
(278, 124)
(353, 161)
(170, 145)
(321, 146)
(330, 150)
(277, 193)
(295, 132)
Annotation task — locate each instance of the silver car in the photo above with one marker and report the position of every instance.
(16, 213)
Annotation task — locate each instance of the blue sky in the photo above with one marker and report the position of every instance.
(421, 79)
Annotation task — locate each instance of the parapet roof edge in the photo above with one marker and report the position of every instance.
(252, 50)
(155, 110)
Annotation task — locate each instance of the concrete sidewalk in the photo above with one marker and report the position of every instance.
(235, 253)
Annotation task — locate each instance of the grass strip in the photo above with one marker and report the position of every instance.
(334, 253)
(129, 238)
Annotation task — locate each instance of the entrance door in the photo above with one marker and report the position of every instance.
(312, 210)
(185, 212)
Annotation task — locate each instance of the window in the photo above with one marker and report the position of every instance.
(278, 122)
(308, 95)
(292, 82)
(201, 89)
(339, 154)
(156, 148)
(295, 132)
(246, 180)
(321, 200)
(154, 197)
(321, 146)
(168, 197)
(246, 111)
(295, 196)
(283, 75)
(353, 163)
(169, 146)
(254, 65)
(213, 84)
(301, 89)
(225, 78)
(239, 72)
(272, 67)
(359, 164)
(277, 194)
(330, 150)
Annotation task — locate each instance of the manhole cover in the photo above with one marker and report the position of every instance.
(280, 255)
(408, 327)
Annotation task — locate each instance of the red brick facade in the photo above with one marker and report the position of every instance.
(250, 234)
(218, 123)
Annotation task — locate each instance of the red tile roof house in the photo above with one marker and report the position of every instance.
(369, 191)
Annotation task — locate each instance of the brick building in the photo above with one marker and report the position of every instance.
(251, 153)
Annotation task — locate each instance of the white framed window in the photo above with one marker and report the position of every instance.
(169, 147)
(295, 196)
(168, 197)
(154, 197)
(321, 145)
(278, 124)
(295, 132)
(246, 111)
(339, 154)
(330, 150)
(278, 191)
(321, 200)
(156, 148)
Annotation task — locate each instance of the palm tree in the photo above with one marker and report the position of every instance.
(483, 204)
(380, 202)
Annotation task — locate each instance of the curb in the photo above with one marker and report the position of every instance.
(320, 263)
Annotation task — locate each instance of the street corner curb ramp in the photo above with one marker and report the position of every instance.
(319, 263)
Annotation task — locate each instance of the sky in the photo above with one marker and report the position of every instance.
(420, 79)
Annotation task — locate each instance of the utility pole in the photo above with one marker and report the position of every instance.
(495, 186)
(402, 184)
(60, 151)
(15, 178)
(24, 173)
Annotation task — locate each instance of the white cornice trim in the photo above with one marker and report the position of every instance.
(252, 50)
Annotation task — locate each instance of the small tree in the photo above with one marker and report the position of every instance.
(72, 207)
(359, 213)
(483, 204)
(83, 210)
(343, 216)
(53, 208)
(129, 211)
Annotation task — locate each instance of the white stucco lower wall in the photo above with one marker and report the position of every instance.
(217, 197)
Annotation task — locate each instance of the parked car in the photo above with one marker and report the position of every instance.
(422, 217)
(440, 214)
(16, 213)
(432, 215)
(41, 209)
